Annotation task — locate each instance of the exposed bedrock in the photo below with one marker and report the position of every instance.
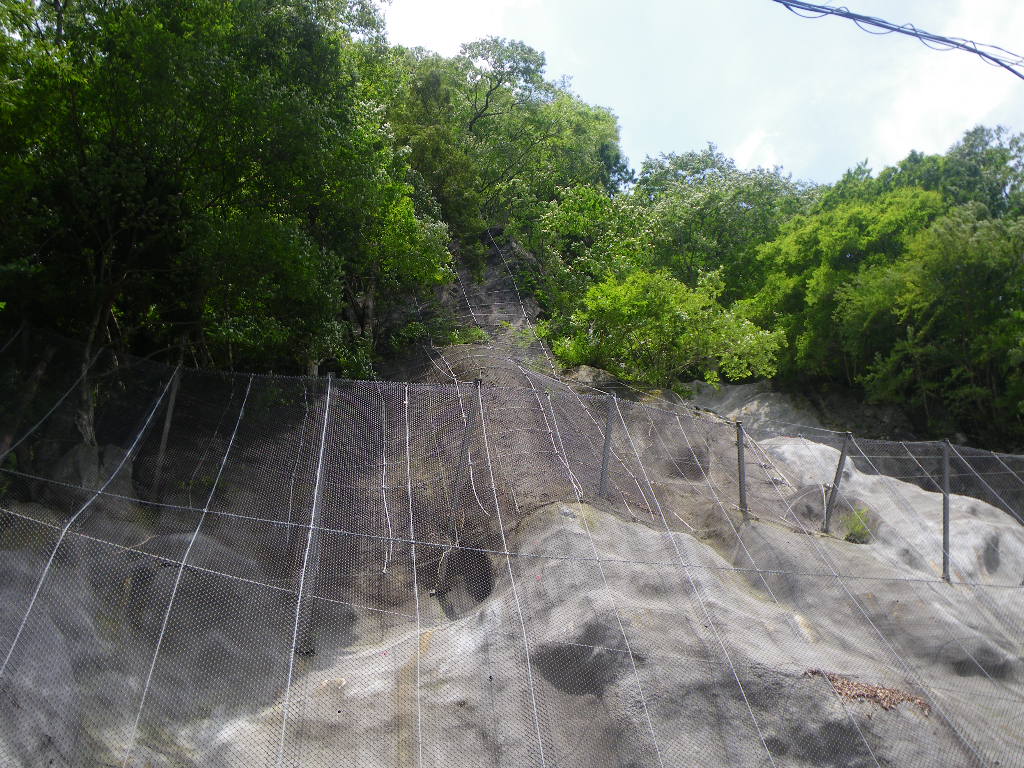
(602, 639)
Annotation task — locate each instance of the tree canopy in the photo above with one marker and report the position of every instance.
(263, 181)
(267, 184)
(905, 285)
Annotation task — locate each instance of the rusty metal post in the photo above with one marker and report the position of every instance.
(834, 491)
(742, 467)
(157, 475)
(945, 510)
(603, 484)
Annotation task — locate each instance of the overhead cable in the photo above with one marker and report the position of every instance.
(990, 54)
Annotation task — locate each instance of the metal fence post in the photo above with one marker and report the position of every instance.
(306, 630)
(462, 473)
(608, 425)
(155, 488)
(834, 492)
(945, 510)
(742, 466)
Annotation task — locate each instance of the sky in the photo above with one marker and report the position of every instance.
(815, 96)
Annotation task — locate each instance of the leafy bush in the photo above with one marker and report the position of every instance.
(650, 327)
(469, 334)
(857, 531)
(409, 334)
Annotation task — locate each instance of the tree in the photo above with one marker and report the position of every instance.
(814, 255)
(190, 152)
(582, 238)
(958, 302)
(491, 141)
(985, 166)
(707, 214)
(650, 327)
(503, 75)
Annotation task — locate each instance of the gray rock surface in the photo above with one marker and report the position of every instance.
(671, 691)
(39, 692)
(474, 597)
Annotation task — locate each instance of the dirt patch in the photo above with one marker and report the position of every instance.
(886, 698)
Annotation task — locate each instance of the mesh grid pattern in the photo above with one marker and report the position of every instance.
(270, 571)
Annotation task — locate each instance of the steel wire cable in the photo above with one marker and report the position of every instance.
(577, 490)
(74, 517)
(302, 575)
(990, 54)
(950, 613)
(910, 668)
(177, 581)
(511, 576)
(515, 419)
(901, 503)
(1009, 507)
(716, 495)
(697, 593)
(31, 430)
(10, 341)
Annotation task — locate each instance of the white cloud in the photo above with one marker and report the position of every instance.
(756, 151)
(444, 25)
(936, 96)
(816, 96)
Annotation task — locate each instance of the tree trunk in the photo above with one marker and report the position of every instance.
(58, 7)
(85, 417)
(27, 396)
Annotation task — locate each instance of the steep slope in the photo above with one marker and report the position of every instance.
(521, 572)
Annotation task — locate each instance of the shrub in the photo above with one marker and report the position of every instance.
(857, 531)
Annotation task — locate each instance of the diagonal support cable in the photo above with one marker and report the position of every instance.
(177, 580)
(71, 521)
(302, 575)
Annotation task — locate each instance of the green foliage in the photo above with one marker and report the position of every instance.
(815, 255)
(902, 284)
(856, 525)
(491, 140)
(956, 301)
(650, 327)
(469, 334)
(584, 237)
(707, 214)
(636, 282)
(441, 331)
(411, 333)
(522, 337)
(215, 171)
(268, 183)
(983, 167)
(909, 285)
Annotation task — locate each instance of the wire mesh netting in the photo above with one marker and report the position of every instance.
(213, 569)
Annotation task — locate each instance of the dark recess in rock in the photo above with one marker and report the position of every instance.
(985, 661)
(991, 553)
(586, 665)
(465, 579)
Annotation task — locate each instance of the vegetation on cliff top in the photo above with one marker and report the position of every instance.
(265, 184)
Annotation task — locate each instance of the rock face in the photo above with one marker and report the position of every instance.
(77, 476)
(39, 695)
(986, 544)
(756, 405)
(636, 664)
(765, 411)
(601, 641)
(382, 574)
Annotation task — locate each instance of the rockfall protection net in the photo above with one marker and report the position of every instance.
(212, 569)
